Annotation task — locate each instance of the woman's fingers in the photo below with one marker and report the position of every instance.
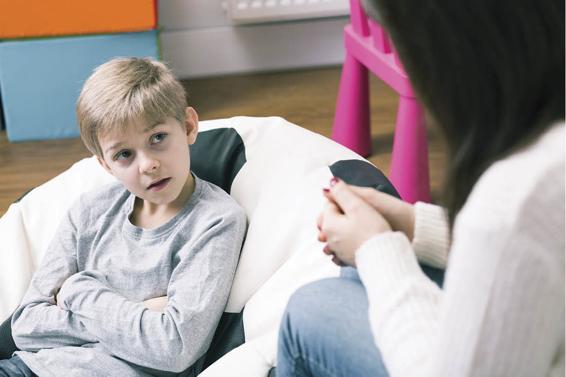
(326, 250)
(399, 214)
(337, 261)
(328, 217)
(344, 198)
(346, 222)
(371, 195)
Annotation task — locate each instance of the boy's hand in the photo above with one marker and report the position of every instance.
(157, 304)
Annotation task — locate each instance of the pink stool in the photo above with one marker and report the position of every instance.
(368, 47)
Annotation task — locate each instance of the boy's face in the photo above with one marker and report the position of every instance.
(152, 161)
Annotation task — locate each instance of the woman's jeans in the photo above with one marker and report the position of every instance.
(325, 330)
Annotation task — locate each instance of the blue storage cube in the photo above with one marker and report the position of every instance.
(40, 80)
(1, 114)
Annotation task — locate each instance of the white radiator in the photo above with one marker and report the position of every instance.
(253, 11)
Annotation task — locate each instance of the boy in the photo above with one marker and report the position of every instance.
(138, 274)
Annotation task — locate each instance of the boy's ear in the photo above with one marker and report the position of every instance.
(191, 124)
(104, 164)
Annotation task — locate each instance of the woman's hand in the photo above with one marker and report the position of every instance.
(399, 214)
(347, 222)
(157, 304)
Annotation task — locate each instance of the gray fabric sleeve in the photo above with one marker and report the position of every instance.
(174, 339)
(38, 322)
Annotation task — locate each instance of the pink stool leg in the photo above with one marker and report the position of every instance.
(351, 122)
(409, 161)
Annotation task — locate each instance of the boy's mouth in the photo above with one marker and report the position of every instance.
(158, 185)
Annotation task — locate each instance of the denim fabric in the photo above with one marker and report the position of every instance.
(325, 330)
(14, 367)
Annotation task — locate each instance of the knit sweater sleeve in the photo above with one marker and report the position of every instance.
(431, 240)
(501, 312)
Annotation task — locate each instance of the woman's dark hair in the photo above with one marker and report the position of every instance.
(490, 72)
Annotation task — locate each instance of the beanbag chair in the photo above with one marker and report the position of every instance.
(275, 170)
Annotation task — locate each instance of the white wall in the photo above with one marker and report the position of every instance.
(198, 39)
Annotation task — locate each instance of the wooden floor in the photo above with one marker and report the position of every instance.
(306, 98)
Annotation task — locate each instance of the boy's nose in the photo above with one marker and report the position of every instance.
(148, 165)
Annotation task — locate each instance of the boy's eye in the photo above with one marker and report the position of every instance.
(158, 138)
(122, 155)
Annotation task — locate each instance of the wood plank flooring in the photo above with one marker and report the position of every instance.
(306, 98)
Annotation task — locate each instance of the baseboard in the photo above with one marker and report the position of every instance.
(254, 48)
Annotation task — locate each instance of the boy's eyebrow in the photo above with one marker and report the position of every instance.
(114, 146)
(149, 128)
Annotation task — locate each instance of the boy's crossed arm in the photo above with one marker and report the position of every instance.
(41, 324)
(174, 339)
(156, 303)
(38, 323)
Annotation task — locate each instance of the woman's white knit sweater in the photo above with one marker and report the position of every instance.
(501, 311)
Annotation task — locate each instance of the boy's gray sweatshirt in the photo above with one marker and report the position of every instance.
(102, 267)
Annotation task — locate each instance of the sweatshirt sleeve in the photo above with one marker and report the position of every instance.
(38, 322)
(174, 339)
(431, 240)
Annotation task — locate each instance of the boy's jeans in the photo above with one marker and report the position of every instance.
(325, 330)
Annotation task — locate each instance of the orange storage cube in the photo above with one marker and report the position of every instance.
(40, 18)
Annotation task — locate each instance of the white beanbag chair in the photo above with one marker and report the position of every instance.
(275, 170)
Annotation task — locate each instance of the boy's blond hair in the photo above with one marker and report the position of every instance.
(125, 90)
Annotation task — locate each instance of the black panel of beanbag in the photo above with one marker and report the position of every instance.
(229, 335)
(217, 156)
(7, 345)
(362, 173)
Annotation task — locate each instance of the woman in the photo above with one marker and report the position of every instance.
(491, 73)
